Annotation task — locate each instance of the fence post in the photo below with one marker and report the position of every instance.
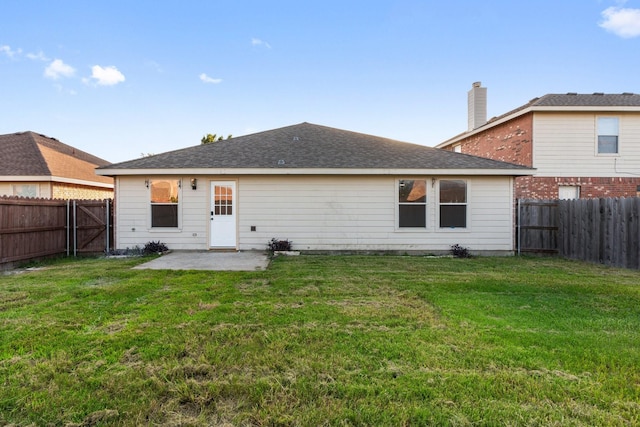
(68, 229)
(108, 213)
(75, 228)
(519, 220)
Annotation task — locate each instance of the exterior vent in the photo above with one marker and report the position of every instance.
(280, 162)
(295, 138)
(598, 93)
(627, 93)
(572, 93)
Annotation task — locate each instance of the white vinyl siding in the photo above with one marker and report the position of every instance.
(566, 144)
(322, 213)
(133, 215)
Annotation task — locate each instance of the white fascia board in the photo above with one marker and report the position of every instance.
(312, 171)
(25, 178)
(48, 178)
(81, 182)
(483, 128)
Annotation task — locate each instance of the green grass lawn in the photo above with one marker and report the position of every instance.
(322, 340)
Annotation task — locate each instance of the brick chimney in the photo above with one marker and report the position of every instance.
(477, 105)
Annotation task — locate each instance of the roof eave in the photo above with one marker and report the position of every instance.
(58, 179)
(484, 127)
(316, 171)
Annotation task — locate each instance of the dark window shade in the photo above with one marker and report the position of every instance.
(607, 144)
(412, 216)
(164, 215)
(453, 216)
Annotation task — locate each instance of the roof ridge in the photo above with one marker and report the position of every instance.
(38, 152)
(308, 146)
(69, 150)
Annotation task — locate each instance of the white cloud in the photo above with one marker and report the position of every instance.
(208, 79)
(62, 89)
(6, 49)
(40, 56)
(258, 42)
(107, 76)
(58, 69)
(623, 22)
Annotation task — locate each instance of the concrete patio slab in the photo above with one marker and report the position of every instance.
(209, 260)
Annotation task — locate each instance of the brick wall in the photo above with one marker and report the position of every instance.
(74, 191)
(508, 142)
(528, 187)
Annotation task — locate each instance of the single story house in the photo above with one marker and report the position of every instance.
(34, 165)
(322, 188)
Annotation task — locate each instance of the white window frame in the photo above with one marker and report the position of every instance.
(178, 227)
(466, 203)
(15, 187)
(574, 188)
(425, 204)
(598, 134)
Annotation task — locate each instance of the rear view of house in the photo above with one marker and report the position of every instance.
(581, 145)
(34, 165)
(323, 188)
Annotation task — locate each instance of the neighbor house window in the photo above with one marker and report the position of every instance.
(607, 135)
(568, 192)
(164, 202)
(453, 203)
(412, 203)
(25, 190)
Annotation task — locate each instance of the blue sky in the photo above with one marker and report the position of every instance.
(121, 78)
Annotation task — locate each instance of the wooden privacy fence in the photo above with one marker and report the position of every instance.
(36, 228)
(605, 231)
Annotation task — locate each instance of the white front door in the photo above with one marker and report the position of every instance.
(223, 214)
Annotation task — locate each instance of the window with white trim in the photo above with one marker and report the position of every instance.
(412, 203)
(568, 192)
(164, 202)
(25, 190)
(453, 203)
(608, 132)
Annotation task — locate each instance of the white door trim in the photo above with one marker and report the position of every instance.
(223, 207)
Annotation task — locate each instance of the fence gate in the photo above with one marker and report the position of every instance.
(32, 228)
(537, 226)
(90, 226)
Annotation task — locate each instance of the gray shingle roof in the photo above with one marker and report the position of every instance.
(587, 100)
(32, 154)
(568, 100)
(306, 146)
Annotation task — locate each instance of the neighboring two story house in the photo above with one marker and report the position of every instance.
(34, 165)
(581, 145)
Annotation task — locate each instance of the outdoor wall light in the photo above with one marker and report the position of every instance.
(194, 183)
(146, 183)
